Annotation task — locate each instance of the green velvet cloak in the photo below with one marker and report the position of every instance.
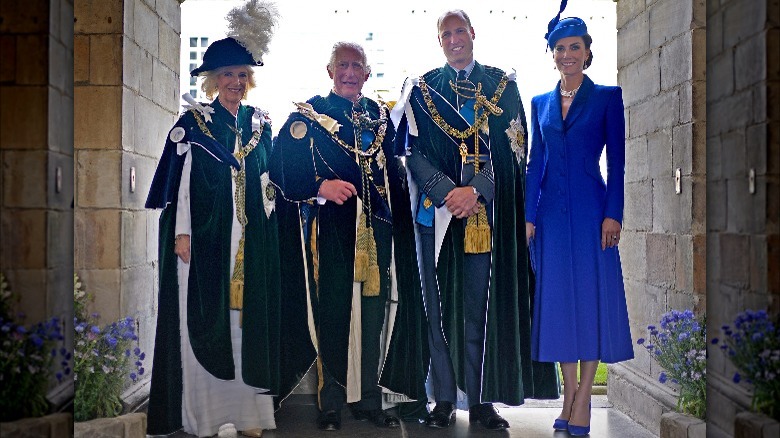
(509, 374)
(208, 317)
(295, 168)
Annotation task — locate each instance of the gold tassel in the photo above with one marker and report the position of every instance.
(362, 250)
(477, 240)
(237, 280)
(371, 285)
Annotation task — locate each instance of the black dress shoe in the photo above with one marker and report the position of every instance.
(487, 416)
(442, 415)
(379, 417)
(330, 420)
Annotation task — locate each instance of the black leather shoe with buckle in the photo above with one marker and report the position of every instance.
(442, 415)
(379, 417)
(487, 416)
(330, 420)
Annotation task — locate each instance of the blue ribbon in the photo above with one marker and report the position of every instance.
(554, 21)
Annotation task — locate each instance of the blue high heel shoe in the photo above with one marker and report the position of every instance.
(575, 430)
(561, 424)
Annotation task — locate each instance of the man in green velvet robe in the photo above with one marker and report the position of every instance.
(347, 238)
(464, 127)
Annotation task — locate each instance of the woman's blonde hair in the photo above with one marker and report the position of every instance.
(209, 84)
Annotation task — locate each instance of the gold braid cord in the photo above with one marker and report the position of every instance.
(366, 263)
(478, 236)
(237, 279)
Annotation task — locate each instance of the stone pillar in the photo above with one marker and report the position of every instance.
(743, 200)
(661, 68)
(36, 156)
(126, 99)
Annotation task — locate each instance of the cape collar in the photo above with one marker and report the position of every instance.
(555, 117)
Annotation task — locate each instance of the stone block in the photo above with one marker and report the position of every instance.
(730, 113)
(683, 265)
(55, 120)
(81, 58)
(657, 113)
(144, 171)
(772, 101)
(627, 11)
(24, 179)
(66, 25)
(753, 425)
(136, 295)
(134, 61)
(133, 247)
(714, 34)
(59, 292)
(714, 159)
(659, 153)
(632, 255)
(682, 149)
(99, 428)
(676, 425)
(640, 79)
(66, 129)
(129, 97)
(165, 86)
(60, 200)
(152, 234)
(634, 40)
(105, 54)
(740, 202)
(60, 65)
(99, 179)
(636, 159)
(758, 268)
(741, 20)
(59, 238)
(32, 65)
(29, 285)
(734, 154)
(720, 71)
(23, 112)
(55, 23)
(152, 124)
(750, 61)
(93, 231)
(668, 20)
(772, 58)
(734, 266)
(97, 117)
(680, 300)
(638, 206)
(24, 17)
(104, 285)
(698, 204)
(661, 260)
(693, 102)
(170, 45)
(170, 13)
(145, 27)
(97, 16)
(8, 53)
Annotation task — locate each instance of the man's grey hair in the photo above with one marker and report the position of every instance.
(453, 12)
(348, 45)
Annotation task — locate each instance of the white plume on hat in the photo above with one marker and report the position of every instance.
(252, 25)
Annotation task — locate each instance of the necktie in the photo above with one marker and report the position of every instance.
(461, 75)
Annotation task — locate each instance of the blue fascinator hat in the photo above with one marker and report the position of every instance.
(567, 27)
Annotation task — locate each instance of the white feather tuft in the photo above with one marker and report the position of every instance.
(252, 25)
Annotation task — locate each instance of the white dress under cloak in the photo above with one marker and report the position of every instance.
(208, 402)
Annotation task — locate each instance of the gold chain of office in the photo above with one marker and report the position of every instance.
(473, 130)
(362, 121)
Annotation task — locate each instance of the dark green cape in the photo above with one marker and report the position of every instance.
(509, 374)
(208, 317)
(295, 169)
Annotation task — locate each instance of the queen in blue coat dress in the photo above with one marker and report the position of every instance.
(574, 222)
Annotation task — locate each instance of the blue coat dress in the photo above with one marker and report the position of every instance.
(580, 305)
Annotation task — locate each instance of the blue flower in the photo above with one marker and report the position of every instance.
(140, 371)
(95, 329)
(133, 376)
(736, 378)
(662, 377)
(640, 341)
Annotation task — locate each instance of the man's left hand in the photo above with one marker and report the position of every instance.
(462, 202)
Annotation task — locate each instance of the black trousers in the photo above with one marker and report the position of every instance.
(475, 293)
(332, 394)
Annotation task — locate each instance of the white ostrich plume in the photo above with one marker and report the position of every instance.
(252, 25)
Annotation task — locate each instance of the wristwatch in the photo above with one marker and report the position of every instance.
(475, 190)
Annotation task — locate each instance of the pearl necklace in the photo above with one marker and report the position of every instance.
(571, 93)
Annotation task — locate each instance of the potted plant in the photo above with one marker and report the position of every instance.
(679, 345)
(107, 358)
(752, 344)
(31, 358)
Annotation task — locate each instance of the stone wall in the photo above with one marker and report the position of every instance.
(36, 157)
(743, 218)
(126, 61)
(661, 68)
